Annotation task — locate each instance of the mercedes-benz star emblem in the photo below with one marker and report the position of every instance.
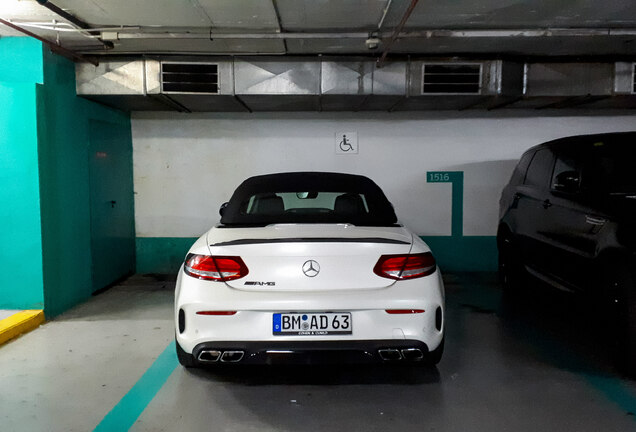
(311, 268)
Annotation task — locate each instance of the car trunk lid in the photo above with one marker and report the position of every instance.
(309, 257)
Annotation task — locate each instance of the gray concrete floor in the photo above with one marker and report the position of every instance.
(536, 368)
(6, 313)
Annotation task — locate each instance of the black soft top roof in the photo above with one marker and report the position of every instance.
(381, 211)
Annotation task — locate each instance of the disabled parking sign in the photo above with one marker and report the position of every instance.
(346, 142)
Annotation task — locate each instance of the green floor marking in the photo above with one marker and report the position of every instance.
(130, 407)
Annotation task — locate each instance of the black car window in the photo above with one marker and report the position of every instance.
(567, 174)
(610, 168)
(540, 169)
(519, 172)
(308, 197)
(315, 202)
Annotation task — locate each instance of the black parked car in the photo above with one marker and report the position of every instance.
(568, 217)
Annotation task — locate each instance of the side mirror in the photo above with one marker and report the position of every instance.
(567, 181)
(223, 207)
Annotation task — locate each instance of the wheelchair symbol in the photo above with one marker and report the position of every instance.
(345, 144)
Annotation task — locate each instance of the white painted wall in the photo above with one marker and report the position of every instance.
(186, 165)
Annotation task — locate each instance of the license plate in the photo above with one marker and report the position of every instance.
(312, 324)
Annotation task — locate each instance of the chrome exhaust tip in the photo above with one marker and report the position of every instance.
(209, 356)
(412, 354)
(232, 356)
(389, 354)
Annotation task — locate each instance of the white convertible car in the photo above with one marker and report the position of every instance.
(309, 267)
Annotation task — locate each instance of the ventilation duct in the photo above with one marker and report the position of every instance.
(197, 78)
(359, 85)
(568, 85)
(450, 79)
(624, 95)
(452, 85)
(625, 78)
(337, 84)
(569, 79)
(277, 85)
(345, 85)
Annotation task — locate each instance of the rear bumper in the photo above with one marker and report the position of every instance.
(252, 322)
(314, 352)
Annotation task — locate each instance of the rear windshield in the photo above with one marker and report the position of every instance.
(610, 167)
(308, 198)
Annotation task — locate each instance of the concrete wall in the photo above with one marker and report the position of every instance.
(186, 165)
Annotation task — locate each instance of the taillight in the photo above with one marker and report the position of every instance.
(404, 311)
(218, 313)
(215, 268)
(401, 267)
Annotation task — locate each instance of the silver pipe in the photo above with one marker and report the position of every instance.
(396, 33)
(386, 10)
(516, 33)
(550, 32)
(66, 27)
(209, 356)
(74, 20)
(412, 354)
(174, 35)
(390, 354)
(71, 55)
(279, 25)
(232, 356)
(88, 51)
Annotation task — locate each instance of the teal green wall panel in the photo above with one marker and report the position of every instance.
(111, 203)
(162, 254)
(457, 253)
(64, 131)
(21, 60)
(470, 253)
(45, 221)
(456, 178)
(20, 236)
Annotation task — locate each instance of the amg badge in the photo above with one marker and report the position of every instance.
(257, 283)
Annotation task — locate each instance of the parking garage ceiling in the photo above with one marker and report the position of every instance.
(340, 55)
(334, 27)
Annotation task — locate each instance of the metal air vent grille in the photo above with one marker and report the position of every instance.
(197, 78)
(441, 78)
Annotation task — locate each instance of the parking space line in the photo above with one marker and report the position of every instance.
(130, 407)
(615, 390)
